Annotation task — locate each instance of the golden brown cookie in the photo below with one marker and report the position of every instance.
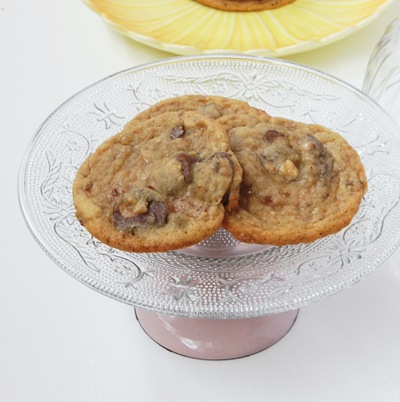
(158, 185)
(300, 182)
(245, 5)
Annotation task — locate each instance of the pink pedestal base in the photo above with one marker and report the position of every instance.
(215, 339)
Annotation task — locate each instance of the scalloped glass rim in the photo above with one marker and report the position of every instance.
(272, 281)
(148, 33)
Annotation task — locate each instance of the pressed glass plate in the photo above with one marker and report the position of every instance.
(219, 278)
(186, 27)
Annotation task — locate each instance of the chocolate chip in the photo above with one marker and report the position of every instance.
(159, 210)
(271, 135)
(246, 192)
(156, 215)
(177, 132)
(186, 162)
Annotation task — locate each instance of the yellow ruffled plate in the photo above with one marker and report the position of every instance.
(187, 27)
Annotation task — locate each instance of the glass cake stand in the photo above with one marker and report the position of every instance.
(219, 299)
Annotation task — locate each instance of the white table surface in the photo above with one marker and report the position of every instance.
(61, 341)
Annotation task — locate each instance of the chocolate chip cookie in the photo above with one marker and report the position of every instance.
(160, 184)
(300, 182)
(244, 5)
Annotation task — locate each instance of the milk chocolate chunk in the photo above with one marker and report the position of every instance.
(186, 161)
(156, 215)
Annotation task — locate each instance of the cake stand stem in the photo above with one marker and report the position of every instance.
(215, 339)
